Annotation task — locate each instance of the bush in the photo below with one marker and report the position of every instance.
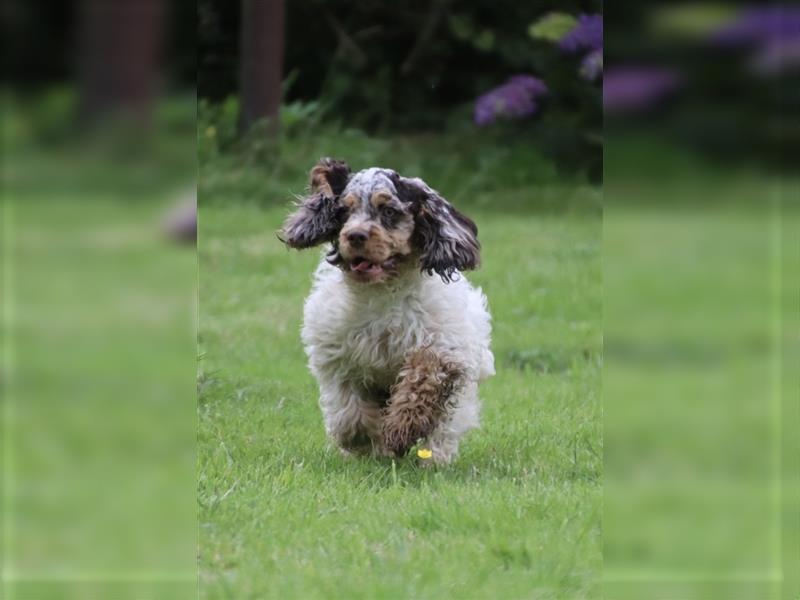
(419, 66)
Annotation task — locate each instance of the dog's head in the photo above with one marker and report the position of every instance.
(380, 223)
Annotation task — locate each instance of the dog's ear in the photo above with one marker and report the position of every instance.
(447, 239)
(318, 216)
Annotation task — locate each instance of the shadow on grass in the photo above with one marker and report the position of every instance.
(472, 467)
(374, 473)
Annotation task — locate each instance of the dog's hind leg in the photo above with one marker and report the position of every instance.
(353, 423)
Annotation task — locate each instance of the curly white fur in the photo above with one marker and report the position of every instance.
(357, 337)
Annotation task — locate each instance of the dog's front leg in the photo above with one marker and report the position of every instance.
(419, 399)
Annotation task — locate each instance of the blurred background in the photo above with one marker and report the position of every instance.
(117, 115)
(109, 106)
(700, 260)
(98, 300)
(498, 90)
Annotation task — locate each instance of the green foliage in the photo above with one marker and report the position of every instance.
(552, 27)
(691, 20)
(464, 29)
(299, 114)
(472, 164)
(419, 66)
(54, 150)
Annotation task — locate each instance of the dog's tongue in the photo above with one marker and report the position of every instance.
(363, 265)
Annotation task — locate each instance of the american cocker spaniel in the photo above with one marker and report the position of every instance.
(396, 337)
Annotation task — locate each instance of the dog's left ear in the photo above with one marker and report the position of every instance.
(318, 217)
(447, 239)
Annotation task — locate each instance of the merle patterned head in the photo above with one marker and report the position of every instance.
(380, 224)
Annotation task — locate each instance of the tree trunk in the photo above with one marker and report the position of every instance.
(261, 62)
(120, 45)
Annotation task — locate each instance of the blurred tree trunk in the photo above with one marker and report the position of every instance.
(119, 51)
(261, 62)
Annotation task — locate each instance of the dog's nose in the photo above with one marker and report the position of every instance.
(357, 237)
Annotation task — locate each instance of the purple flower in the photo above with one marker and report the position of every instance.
(635, 89)
(586, 35)
(592, 65)
(759, 25)
(776, 57)
(772, 33)
(515, 99)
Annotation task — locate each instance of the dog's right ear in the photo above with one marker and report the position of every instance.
(318, 216)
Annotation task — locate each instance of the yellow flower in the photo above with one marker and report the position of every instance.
(424, 453)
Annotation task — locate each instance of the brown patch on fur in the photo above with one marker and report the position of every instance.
(380, 198)
(419, 399)
(350, 201)
(386, 242)
(400, 240)
(319, 181)
(329, 177)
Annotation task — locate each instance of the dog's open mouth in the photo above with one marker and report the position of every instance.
(366, 269)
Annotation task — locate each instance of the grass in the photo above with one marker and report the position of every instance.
(282, 515)
(97, 493)
(700, 389)
(98, 421)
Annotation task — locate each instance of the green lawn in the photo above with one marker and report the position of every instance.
(283, 515)
(97, 422)
(700, 390)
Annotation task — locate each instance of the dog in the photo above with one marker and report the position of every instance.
(396, 337)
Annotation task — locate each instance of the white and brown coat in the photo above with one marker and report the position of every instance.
(396, 337)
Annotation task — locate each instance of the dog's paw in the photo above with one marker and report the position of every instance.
(398, 438)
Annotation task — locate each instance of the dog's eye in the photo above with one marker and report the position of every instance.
(389, 212)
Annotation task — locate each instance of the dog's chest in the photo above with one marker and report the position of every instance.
(375, 340)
